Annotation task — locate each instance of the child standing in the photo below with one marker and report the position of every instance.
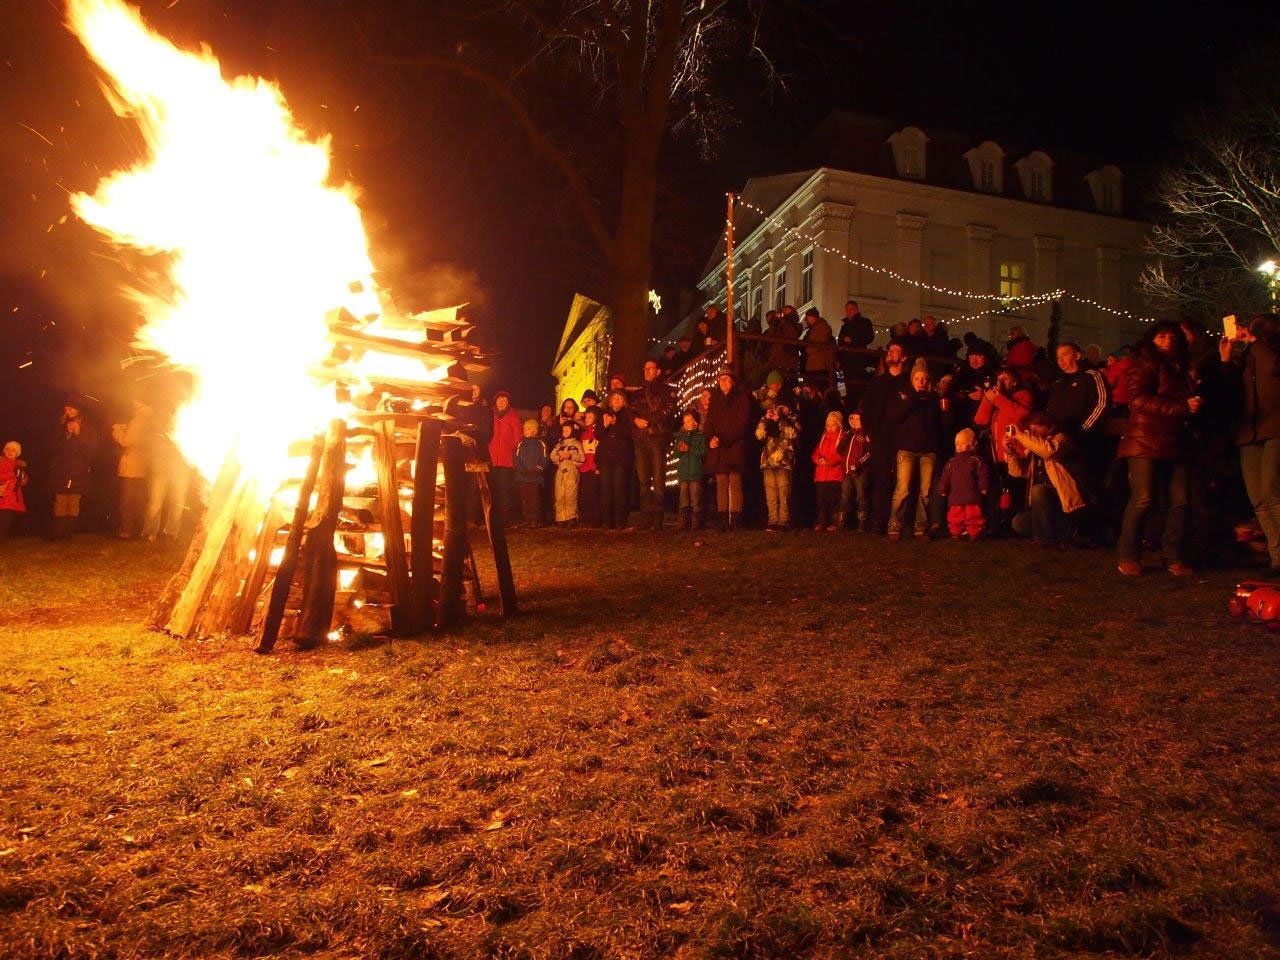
(567, 455)
(531, 462)
(691, 450)
(777, 432)
(589, 472)
(853, 488)
(828, 471)
(965, 483)
(13, 477)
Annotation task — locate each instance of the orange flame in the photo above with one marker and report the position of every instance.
(261, 244)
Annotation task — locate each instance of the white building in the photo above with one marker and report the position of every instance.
(941, 210)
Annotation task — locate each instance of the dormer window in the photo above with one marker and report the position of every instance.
(1036, 172)
(908, 147)
(986, 166)
(1104, 183)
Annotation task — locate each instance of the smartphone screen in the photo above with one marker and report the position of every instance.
(1229, 327)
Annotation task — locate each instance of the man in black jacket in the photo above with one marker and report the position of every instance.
(856, 333)
(875, 420)
(652, 408)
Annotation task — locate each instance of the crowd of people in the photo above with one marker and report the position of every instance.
(151, 483)
(1162, 446)
(1166, 446)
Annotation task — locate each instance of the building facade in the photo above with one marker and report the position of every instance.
(582, 359)
(909, 222)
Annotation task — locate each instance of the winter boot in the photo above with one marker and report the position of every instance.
(686, 518)
(734, 522)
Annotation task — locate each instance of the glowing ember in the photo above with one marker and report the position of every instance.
(258, 243)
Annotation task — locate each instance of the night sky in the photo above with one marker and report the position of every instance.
(457, 206)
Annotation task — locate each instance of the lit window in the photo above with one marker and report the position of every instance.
(780, 289)
(987, 175)
(1012, 277)
(806, 277)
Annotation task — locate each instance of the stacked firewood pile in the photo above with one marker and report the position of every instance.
(339, 548)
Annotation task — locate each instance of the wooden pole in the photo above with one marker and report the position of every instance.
(455, 531)
(384, 461)
(730, 347)
(289, 561)
(216, 613)
(422, 584)
(498, 544)
(318, 556)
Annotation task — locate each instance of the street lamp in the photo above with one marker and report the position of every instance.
(1271, 270)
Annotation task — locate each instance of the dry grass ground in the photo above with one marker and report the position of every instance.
(767, 746)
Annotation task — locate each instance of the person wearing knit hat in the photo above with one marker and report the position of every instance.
(965, 482)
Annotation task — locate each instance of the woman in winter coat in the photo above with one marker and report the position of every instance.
(1161, 401)
(727, 425)
(1256, 376)
(13, 477)
(916, 416)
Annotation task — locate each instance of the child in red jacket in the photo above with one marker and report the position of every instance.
(13, 477)
(828, 472)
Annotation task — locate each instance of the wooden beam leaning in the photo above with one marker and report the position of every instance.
(318, 556)
(384, 461)
(289, 561)
(215, 614)
(456, 485)
(422, 583)
(242, 619)
(162, 610)
(221, 527)
(494, 525)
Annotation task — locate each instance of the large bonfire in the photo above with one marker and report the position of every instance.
(299, 360)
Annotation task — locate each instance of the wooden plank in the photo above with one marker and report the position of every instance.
(242, 619)
(318, 557)
(162, 610)
(289, 561)
(456, 481)
(433, 353)
(422, 583)
(182, 621)
(384, 461)
(214, 616)
(493, 522)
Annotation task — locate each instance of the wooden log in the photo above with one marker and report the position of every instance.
(242, 619)
(319, 557)
(162, 610)
(433, 353)
(422, 583)
(214, 616)
(456, 483)
(289, 561)
(384, 461)
(182, 622)
(494, 524)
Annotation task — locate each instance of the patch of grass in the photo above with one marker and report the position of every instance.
(759, 747)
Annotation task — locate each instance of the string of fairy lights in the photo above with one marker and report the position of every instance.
(1004, 301)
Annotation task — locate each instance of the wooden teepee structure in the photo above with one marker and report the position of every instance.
(336, 549)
